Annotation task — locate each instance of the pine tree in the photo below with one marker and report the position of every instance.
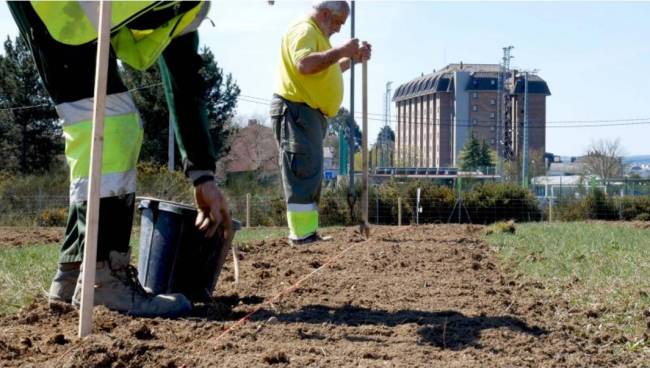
(471, 154)
(30, 132)
(486, 156)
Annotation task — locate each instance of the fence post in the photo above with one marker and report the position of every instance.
(377, 208)
(248, 210)
(399, 211)
(550, 209)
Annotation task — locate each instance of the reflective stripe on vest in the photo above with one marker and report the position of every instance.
(302, 220)
(122, 140)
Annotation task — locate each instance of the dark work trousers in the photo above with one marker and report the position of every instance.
(299, 131)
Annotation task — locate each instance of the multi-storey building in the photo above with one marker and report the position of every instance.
(437, 113)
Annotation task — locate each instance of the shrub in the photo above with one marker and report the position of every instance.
(492, 202)
(52, 217)
(158, 182)
(599, 206)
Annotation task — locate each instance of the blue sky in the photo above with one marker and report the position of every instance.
(594, 55)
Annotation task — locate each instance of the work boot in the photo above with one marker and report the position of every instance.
(64, 282)
(117, 287)
(311, 239)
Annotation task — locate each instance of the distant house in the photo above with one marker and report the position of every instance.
(253, 148)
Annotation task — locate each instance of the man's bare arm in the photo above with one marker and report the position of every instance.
(318, 61)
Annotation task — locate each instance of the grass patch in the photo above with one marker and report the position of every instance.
(598, 266)
(26, 272)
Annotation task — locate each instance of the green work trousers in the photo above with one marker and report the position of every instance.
(299, 131)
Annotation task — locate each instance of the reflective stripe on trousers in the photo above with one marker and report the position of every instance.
(123, 134)
(302, 220)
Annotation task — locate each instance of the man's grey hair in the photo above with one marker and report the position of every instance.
(336, 7)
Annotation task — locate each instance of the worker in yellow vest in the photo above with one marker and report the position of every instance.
(62, 36)
(309, 89)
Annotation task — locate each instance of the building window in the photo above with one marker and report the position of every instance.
(474, 108)
(475, 94)
(475, 122)
(492, 115)
(492, 128)
(493, 102)
(492, 81)
(492, 141)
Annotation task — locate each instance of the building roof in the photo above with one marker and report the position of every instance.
(483, 77)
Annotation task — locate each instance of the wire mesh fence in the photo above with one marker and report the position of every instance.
(43, 209)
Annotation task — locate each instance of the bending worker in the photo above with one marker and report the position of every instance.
(63, 39)
(309, 89)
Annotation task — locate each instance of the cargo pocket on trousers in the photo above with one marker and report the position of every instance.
(302, 165)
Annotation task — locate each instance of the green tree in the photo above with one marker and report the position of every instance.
(487, 155)
(471, 155)
(30, 133)
(221, 92)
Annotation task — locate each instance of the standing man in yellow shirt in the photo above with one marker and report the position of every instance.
(309, 89)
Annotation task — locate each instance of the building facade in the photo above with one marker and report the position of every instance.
(437, 113)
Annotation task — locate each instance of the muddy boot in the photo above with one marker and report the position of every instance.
(64, 283)
(117, 287)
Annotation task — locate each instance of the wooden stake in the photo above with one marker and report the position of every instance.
(94, 184)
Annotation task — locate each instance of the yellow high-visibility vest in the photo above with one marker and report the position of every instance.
(76, 23)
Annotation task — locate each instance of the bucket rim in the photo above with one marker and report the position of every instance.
(165, 205)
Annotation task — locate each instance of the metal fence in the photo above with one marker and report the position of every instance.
(49, 210)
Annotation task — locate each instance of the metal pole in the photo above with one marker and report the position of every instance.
(364, 145)
(94, 184)
(351, 123)
(524, 170)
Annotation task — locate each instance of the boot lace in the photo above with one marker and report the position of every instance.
(129, 275)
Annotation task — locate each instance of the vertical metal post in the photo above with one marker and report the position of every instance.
(550, 209)
(417, 208)
(248, 210)
(524, 165)
(351, 123)
(364, 141)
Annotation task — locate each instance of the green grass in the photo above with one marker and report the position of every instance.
(597, 266)
(26, 272)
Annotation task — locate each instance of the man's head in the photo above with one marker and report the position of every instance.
(331, 15)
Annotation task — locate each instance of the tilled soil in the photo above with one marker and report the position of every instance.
(428, 296)
(17, 236)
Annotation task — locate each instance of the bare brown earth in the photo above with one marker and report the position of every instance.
(431, 296)
(17, 236)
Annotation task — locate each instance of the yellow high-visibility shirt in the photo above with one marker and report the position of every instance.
(322, 90)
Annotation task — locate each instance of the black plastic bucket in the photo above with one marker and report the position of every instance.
(175, 257)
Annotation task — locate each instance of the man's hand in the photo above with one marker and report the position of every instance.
(364, 52)
(213, 210)
(349, 49)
